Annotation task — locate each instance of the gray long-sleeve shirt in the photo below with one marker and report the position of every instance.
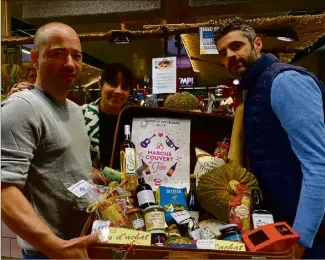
(44, 150)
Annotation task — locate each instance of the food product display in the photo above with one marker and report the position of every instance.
(220, 206)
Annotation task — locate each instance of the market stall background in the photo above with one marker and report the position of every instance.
(102, 16)
(21, 18)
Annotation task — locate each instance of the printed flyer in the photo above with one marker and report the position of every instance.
(164, 75)
(207, 44)
(164, 145)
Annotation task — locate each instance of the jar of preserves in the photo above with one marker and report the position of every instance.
(135, 218)
(230, 232)
(154, 217)
(158, 238)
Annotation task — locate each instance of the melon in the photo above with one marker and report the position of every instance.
(216, 188)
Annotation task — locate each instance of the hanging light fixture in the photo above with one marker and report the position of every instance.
(121, 37)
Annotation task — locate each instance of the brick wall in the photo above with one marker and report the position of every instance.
(9, 245)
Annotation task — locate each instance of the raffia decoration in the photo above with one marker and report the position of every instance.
(309, 28)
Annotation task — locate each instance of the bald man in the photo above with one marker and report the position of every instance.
(44, 151)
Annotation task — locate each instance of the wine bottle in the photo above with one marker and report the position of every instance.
(192, 204)
(145, 194)
(260, 215)
(128, 160)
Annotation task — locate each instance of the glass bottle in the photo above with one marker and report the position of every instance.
(128, 161)
(145, 194)
(260, 215)
(192, 204)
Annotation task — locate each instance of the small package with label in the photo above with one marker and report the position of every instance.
(239, 207)
(205, 163)
(102, 228)
(171, 200)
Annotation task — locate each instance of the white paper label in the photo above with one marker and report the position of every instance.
(195, 215)
(145, 196)
(80, 188)
(262, 219)
(206, 244)
(130, 160)
(181, 216)
(138, 223)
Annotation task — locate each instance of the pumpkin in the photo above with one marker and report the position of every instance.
(216, 188)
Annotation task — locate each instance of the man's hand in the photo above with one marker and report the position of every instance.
(19, 87)
(298, 251)
(98, 177)
(73, 249)
(18, 214)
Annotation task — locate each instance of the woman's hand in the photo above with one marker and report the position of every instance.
(19, 87)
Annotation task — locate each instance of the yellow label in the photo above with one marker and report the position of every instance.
(230, 246)
(128, 236)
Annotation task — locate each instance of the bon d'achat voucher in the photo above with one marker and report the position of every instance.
(164, 145)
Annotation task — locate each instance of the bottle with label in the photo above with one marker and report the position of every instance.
(145, 194)
(260, 215)
(192, 204)
(128, 161)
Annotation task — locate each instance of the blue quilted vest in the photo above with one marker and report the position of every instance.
(271, 157)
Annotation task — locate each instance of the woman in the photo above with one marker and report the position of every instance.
(31, 78)
(101, 115)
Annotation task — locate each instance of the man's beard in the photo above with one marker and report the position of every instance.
(247, 64)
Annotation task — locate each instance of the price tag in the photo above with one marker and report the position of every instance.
(206, 244)
(181, 216)
(262, 219)
(80, 188)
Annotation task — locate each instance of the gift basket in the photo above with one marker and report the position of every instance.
(183, 193)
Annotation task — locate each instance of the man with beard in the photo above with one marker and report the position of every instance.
(45, 150)
(284, 132)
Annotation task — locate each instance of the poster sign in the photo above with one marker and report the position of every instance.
(164, 75)
(207, 44)
(164, 145)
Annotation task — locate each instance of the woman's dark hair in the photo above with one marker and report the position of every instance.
(235, 24)
(110, 72)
